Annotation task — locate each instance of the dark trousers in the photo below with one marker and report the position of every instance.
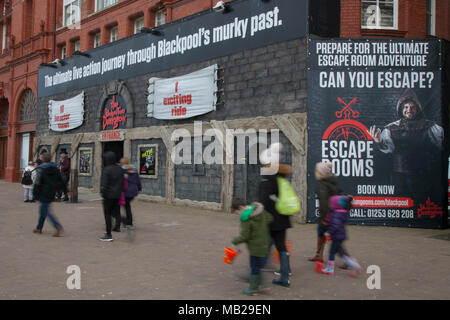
(129, 217)
(64, 189)
(44, 212)
(110, 209)
(336, 247)
(256, 264)
(279, 239)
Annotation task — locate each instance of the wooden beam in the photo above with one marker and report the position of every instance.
(293, 133)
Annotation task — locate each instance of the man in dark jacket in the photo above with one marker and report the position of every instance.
(64, 167)
(268, 192)
(111, 189)
(48, 183)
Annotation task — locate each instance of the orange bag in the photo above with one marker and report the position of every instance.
(276, 256)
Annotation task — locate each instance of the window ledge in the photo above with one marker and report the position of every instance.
(383, 33)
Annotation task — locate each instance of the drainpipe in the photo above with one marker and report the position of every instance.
(54, 31)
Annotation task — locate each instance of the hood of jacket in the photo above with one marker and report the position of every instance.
(340, 202)
(109, 158)
(409, 95)
(329, 180)
(47, 165)
(253, 210)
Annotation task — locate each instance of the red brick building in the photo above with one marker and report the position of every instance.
(31, 33)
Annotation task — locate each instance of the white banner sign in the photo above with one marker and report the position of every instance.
(67, 114)
(183, 97)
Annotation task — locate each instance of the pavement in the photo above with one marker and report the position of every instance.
(175, 253)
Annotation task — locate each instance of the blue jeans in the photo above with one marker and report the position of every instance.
(336, 247)
(44, 212)
(256, 264)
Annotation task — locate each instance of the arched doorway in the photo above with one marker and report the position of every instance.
(26, 130)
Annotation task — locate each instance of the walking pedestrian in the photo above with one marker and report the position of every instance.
(338, 217)
(134, 187)
(48, 183)
(64, 167)
(28, 178)
(255, 233)
(268, 194)
(326, 187)
(111, 189)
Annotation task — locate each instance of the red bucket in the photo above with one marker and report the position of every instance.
(229, 256)
(319, 266)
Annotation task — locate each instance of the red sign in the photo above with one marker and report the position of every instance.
(430, 209)
(114, 116)
(113, 135)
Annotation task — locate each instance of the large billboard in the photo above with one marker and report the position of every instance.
(375, 113)
(244, 25)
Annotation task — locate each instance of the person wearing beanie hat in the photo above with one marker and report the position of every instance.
(326, 187)
(268, 192)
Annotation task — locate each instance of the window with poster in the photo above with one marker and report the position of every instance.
(85, 157)
(148, 160)
(379, 14)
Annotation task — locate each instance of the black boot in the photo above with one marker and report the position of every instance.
(284, 269)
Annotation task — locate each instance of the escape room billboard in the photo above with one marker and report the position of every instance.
(374, 112)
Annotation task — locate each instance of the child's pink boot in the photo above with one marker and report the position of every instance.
(329, 269)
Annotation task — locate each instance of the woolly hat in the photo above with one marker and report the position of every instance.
(271, 154)
(324, 169)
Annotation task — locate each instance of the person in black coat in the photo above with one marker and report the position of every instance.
(111, 189)
(48, 182)
(268, 194)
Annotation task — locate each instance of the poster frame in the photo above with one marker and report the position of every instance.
(89, 174)
(144, 176)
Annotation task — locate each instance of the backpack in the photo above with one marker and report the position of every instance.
(288, 202)
(26, 179)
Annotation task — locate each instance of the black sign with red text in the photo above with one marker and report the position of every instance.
(114, 114)
(374, 112)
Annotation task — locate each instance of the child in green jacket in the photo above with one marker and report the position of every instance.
(255, 233)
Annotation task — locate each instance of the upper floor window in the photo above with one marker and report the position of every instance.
(103, 4)
(28, 106)
(431, 17)
(97, 40)
(113, 34)
(160, 18)
(76, 45)
(72, 12)
(138, 24)
(63, 52)
(379, 14)
(4, 38)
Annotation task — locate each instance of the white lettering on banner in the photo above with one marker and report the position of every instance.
(239, 28)
(349, 158)
(183, 97)
(67, 114)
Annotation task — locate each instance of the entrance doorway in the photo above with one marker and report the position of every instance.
(116, 147)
